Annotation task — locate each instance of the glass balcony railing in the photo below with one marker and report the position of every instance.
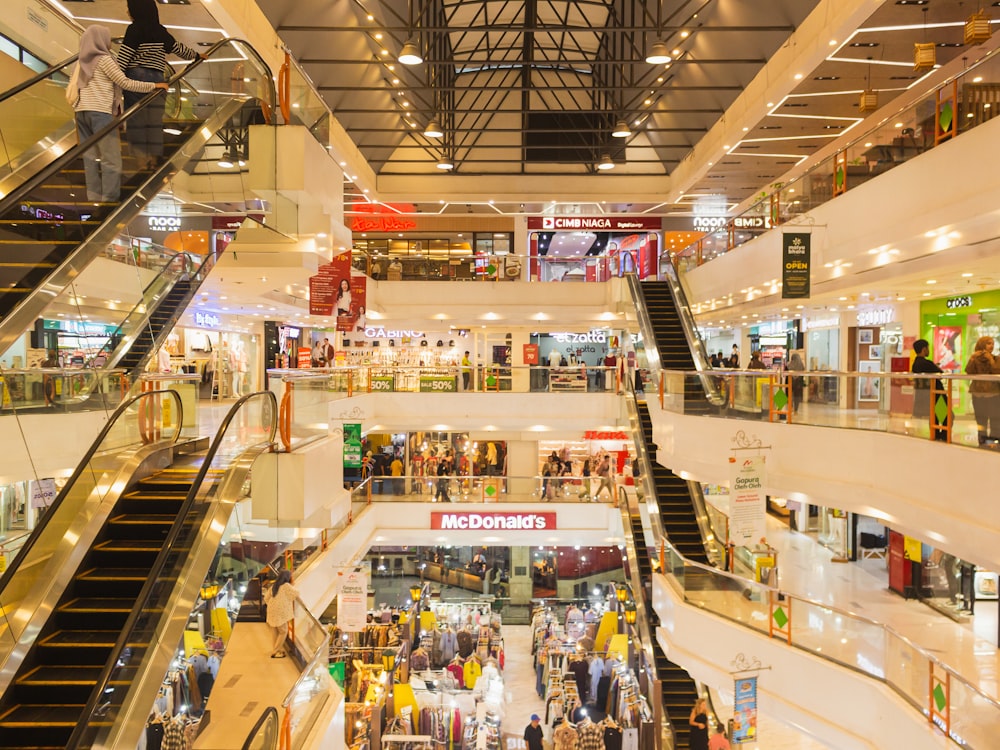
(965, 101)
(306, 700)
(901, 403)
(965, 713)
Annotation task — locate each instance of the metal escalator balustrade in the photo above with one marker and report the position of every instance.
(49, 231)
(116, 711)
(40, 572)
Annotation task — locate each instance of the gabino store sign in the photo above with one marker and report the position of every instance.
(493, 521)
(596, 223)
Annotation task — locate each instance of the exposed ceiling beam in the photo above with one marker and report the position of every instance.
(544, 28)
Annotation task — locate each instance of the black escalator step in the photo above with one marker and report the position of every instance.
(69, 683)
(42, 716)
(134, 526)
(129, 545)
(96, 604)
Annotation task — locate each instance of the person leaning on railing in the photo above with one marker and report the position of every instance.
(985, 393)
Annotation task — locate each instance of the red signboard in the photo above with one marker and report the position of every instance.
(304, 357)
(323, 291)
(595, 435)
(595, 223)
(530, 354)
(493, 521)
(381, 224)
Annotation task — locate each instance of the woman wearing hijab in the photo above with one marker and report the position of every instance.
(100, 81)
(143, 57)
(279, 599)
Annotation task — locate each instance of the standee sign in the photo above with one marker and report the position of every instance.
(795, 266)
(596, 223)
(493, 521)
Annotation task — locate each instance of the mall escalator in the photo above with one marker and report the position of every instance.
(677, 690)
(49, 228)
(89, 620)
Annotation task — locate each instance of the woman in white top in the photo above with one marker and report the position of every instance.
(279, 599)
(101, 81)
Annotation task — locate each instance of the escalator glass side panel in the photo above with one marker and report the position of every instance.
(129, 681)
(57, 221)
(39, 574)
(36, 126)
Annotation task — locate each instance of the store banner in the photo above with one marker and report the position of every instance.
(352, 446)
(438, 384)
(747, 478)
(304, 358)
(530, 354)
(352, 601)
(745, 711)
(354, 319)
(795, 265)
(43, 492)
(383, 383)
(494, 521)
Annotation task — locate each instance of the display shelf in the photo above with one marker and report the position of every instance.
(567, 379)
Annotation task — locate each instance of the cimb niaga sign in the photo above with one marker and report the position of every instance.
(493, 521)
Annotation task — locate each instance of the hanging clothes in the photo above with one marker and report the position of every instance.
(565, 737)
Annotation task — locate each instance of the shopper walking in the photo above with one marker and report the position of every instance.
(985, 393)
(279, 599)
(533, 733)
(604, 474)
(143, 57)
(698, 720)
(585, 484)
(100, 81)
(795, 364)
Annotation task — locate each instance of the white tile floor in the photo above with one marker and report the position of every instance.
(806, 569)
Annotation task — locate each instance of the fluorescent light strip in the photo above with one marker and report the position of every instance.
(791, 138)
(890, 63)
(126, 22)
(799, 157)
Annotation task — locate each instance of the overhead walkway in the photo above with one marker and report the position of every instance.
(100, 595)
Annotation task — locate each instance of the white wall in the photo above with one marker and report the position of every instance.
(938, 190)
(922, 488)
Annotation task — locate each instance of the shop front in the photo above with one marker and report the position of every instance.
(575, 360)
(952, 325)
(593, 248)
(227, 362)
(822, 354)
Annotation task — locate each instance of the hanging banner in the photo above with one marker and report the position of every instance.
(744, 711)
(746, 500)
(43, 492)
(322, 291)
(351, 316)
(795, 265)
(352, 601)
(352, 447)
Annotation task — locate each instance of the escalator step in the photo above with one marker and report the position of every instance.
(133, 526)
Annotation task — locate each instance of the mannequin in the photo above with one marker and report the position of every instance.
(238, 367)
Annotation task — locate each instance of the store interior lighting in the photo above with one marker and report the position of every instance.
(410, 55)
(606, 163)
(445, 164)
(621, 130)
(433, 130)
(658, 54)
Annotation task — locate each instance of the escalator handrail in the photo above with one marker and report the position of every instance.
(159, 564)
(209, 259)
(58, 165)
(37, 78)
(267, 714)
(15, 564)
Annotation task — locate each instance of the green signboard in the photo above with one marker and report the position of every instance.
(383, 383)
(438, 384)
(352, 446)
(795, 265)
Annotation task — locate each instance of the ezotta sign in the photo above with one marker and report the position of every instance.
(493, 521)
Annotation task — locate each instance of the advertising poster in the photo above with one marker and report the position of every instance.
(948, 347)
(352, 602)
(746, 500)
(43, 492)
(351, 305)
(352, 448)
(745, 711)
(322, 291)
(795, 263)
